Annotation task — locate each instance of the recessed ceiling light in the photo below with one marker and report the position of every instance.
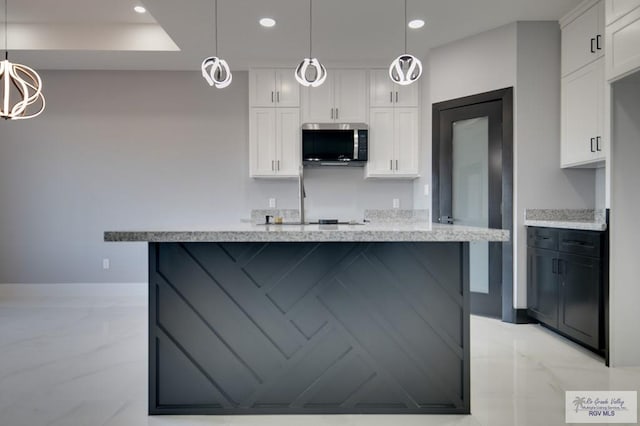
(140, 9)
(268, 22)
(416, 23)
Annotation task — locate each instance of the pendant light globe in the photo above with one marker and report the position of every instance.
(20, 85)
(22, 88)
(216, 72)
(311, 73)
(405, 69)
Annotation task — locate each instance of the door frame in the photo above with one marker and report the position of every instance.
(509, 313)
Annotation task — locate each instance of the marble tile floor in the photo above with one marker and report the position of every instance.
(84, 364)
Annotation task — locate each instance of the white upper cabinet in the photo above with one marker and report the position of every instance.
(273, 88)
(623, 42)
(262, 137)
(582, 36)
(274, 142)
(406, 122)
(384, 93)
(274, 123)
(616, 9)
(583, 115)
(393, 143)
(381, 142)
(342, 98)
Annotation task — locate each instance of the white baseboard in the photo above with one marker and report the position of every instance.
(74, 294)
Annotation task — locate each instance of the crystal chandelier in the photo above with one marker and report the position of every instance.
(406, 68)
(310, 72)
(21, 86)
(215, 70)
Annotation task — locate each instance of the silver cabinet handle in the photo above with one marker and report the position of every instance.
(273, 167)
(593, 49)
(390, 97)
(598, 140)
(598, 44)
(337, 113)
(390, 164)
(332, 113)
(278, 162)
(278, 96)
(271, 96)
(397, 165)
(592, 144)
(396, 97)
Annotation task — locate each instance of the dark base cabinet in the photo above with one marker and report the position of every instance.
(309, 328)
(565, 283)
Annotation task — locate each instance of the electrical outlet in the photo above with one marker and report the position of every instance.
(396, 203)
(272, 203)
(426, 190)
(105, 263)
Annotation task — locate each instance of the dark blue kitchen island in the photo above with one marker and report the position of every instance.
(309, 319)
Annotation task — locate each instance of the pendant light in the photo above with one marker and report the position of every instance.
(215, 70)
(406, 68)
(21, 86)
(311, 72)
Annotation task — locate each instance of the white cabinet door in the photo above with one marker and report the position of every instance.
(583, 116)
(318, 102)
(406, 122)
(381, 89)
(342, 98)
(583, 39)
(262, 88)
(381, 142)
(287, 89)
(407, 96)
(351, 90)
(383, 92)
(288, 139)
(623, 46)
(616, 9)
(262, 137)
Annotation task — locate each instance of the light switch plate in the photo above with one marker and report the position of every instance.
(272, 203)
(396, 203)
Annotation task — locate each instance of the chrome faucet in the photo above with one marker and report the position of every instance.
(301, 193)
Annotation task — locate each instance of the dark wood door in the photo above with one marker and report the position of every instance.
(579, 301)
(470, 192)
(542, 285)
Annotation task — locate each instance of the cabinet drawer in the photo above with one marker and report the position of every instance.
(580, 242)
(544, 238)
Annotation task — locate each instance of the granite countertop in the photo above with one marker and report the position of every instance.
(370, 232)
(588, 220)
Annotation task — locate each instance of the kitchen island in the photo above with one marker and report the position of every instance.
(309, 319)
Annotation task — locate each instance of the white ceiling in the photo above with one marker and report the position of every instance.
(178, 34)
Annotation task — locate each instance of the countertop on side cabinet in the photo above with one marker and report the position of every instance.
(578, 225)
(585, 219)
(386, 232)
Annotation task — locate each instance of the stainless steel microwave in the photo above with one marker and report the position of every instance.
(335, 144)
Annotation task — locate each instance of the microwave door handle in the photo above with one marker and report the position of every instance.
(356, 143)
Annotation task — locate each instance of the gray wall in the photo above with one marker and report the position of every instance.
(539, 181)
(525, 55)
(625, 226)
(140, 150)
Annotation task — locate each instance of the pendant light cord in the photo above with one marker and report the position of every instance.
(310, 28)
(405, 26)
(6, 33)
(215, 11)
